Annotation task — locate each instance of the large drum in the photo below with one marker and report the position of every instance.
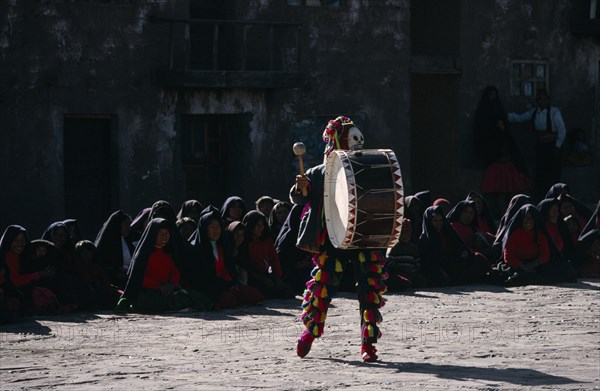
(363, 198)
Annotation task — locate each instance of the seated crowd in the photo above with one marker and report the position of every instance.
(205, 258)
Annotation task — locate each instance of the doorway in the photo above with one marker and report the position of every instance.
(88, 167)
(434, 133)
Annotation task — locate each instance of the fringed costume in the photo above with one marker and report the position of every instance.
(370, 277)
(367, 264)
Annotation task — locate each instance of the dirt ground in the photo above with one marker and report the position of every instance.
(460, 338)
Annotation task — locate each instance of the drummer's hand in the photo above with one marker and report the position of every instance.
(301, 183)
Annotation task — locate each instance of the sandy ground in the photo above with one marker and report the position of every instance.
(461, 338)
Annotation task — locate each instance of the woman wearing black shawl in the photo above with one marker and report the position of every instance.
(570, 206)
(191, 209)
(485, 220)
(505, 170)
(235, 235)
(76, 291)
(278, 217)
(45, 286)
(74, 228)
(211, 268)
(588, 249)
(414, 206)
(513, 206)
(557, 228)
(588, 246)
(529, 254)
(296, 264)
(445, 258)
(264, 273)
(114, 248)
(11, 299)
(162, 209)
(485, 139)
(138, 225)
(153, 284)
(557, 189)
(233, 209)
(465, 221)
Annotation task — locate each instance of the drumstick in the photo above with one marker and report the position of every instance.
(299, 150)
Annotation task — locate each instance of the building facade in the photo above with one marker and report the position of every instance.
(111, 105)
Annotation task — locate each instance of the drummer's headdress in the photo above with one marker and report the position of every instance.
(341, 133)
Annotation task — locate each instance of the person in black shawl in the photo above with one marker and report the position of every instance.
(505, 171)
(515, 203)
(530, 256)
(557, 228)
(163, 209)
(76, 292)
(570, 206)
(114, 248)
(75, 232)
(464, 218)
(486, 141)
(138, 225)
(191, 209)
(588, 249)
(233, 209)
(445, 258)
(485, 220)
(11, 299)
(154, 280)
(211, 268)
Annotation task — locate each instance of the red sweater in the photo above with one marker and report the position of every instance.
(555, 236)
(220, 269)
(520, 247)
(160, 270)
(262, 255)
(13, 263)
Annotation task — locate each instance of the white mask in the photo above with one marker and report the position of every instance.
(356, 139)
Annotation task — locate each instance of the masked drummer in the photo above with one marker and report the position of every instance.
(367, 265)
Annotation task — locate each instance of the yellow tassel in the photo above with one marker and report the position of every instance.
(322, 259)
(315, 302)
(324, 291)
(338, 266)
(370, 281)
(361, 257)
(318, 275)
(371, 331)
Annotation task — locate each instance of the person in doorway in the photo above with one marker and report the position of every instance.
(550, 131)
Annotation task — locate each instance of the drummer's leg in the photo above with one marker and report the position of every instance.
(370, 286)
(317, 297)
(319, 291)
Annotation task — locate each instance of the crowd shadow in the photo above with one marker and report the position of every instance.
(517, 376)
(581, 284)
(26, 326)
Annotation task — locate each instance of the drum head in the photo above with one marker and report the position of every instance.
(336, 197)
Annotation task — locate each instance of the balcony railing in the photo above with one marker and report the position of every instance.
(231, 53)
